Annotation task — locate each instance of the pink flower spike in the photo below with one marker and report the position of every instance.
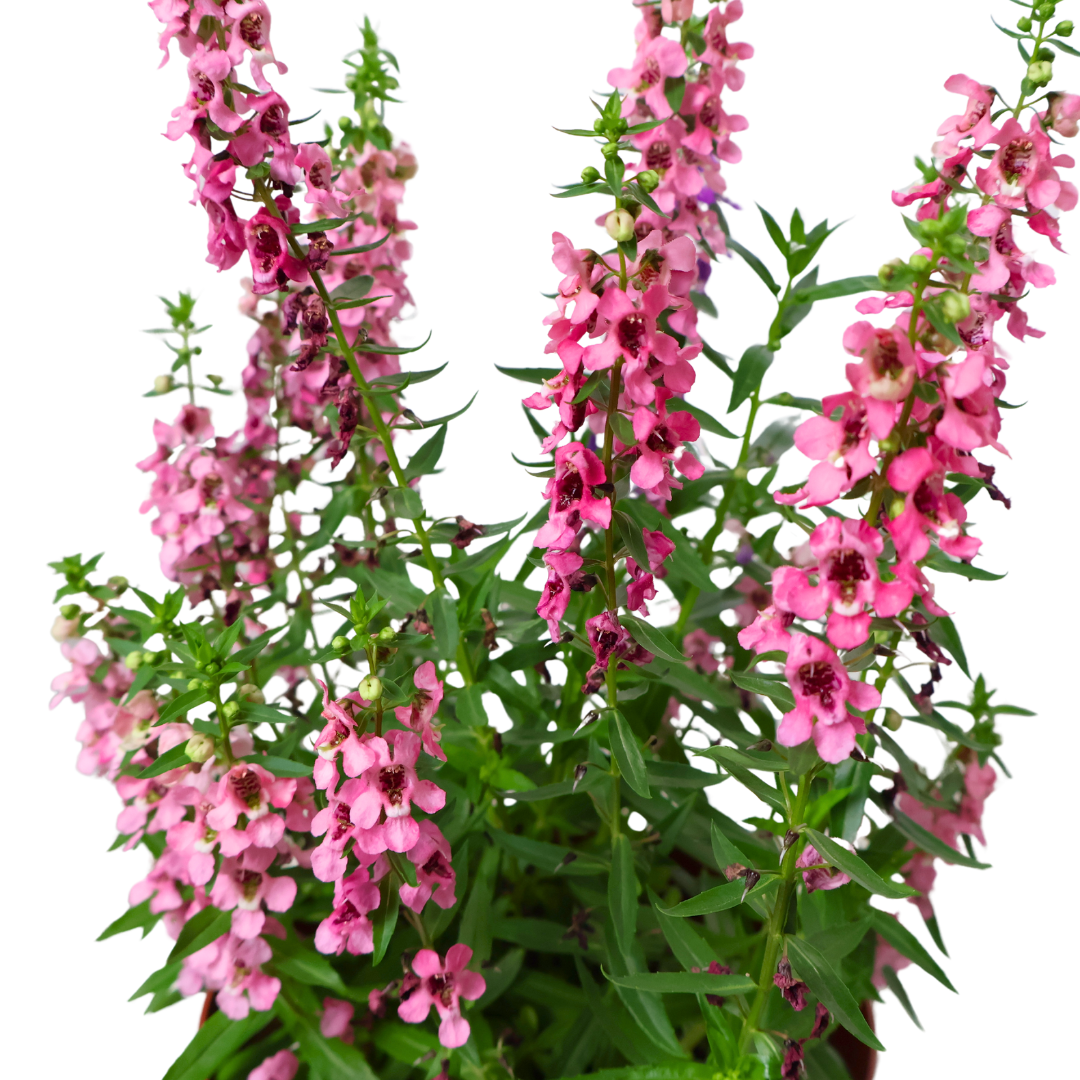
(425, 703)
(443, 984)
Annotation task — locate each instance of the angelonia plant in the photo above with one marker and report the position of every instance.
(425, 797)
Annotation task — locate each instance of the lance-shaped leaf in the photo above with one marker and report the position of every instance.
(279, 766)
(843, 287)
(751, 370)
(135, 918)
(384, 920)
(200, 930)
(720, 898)
(354, 288)
(182, 704)
(174, 758)
(216, 1041)
(686, 982)
(744, 759)
(622, 896)
(819, 975)
(775, 689)
(897, 987)
(926, 840)
(905, 942)
(624, 746)
(656, 641)
(855, 868)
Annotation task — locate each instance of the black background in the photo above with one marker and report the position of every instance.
(837, 107)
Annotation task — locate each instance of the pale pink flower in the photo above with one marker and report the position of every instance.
(336, 1021)
(418, 715)
(442, 984)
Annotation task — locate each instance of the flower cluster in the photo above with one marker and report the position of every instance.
(624, 328)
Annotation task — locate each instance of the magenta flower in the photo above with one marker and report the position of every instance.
(421, 711)
(639, 588)
(974, 121)
(794, 990)
(382, 805)
(848, 582)
(928, 508)
(583, 269)
(272, 267)
(562, 566)
(348, 927)
(1021, 173)
(887, 371)
(768, 632)
(442, 985)
(660, 438)
(251, 33)
(841, 447)
(339, 738)
(243, 884)
(720, 54)
(334, 824)
(610, 641)
(657, 59)
(435, 876)
(820, 877)
(577, 471)
(268, 132)
(251, 790)
(207, 71)
(823, 689)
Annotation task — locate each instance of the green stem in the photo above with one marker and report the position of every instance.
(775, 939)
(1034, 53)
(381, 429)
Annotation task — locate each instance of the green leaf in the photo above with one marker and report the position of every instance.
(361, 249)
(143, 678)
(627, 753)
(751, 370)
(546, 857)
(200, 930)
(174, 758)
(656, 641)
(330, 1059)
(400, 350)
(704, 304)
(279, 766)
(622, 896)
(755, 264)
(442, 608)
(686, 982)
(385, 921)
(470, 706)
(789, 401)
(326, 225)
(475, 927)
(182, 704)
(776, 690)
(941, 562)
(529, 374)
(843, 287)
(897, 987)
(929, 843)
(724, 851)
(720, 898)
(419, 425)
(403, 502)
(855, 868)
(354, 288)
(216, 1041)
(707, 422)
(816, 972)
(162, 979)
(427, 456)
(135, 918)
(311, 969)
(905, 942)
(402, 378)
(632, 538)
(775, 232)
(744, 759)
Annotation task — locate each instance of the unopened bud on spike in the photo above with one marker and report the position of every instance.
(789, 838)
(579, 774)
(200, 747)
(752, 878)
(163, 384)
(250, 692)
(230, 709)
(893, 719)
(370, 688)
(620, 225)
(133, 661)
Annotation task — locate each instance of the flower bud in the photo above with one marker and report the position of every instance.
(918, 263)
(1040, 72)
(118, 583)
(345, 122)
(339, 644)
(71, 611)
(200, 747)
(1023, 23)
(896, 507)
(1045, 12)
(62, 628)
(250, 692)
(1064, 29)
(212, 668)
(217, 380)
(589, 175)
(134, 660)
(370, 688)
(163, 384)
(649, 180)
(230, 709)
(610, 150)
(955, 306)
(893, 720)
(889, 444)
(598, 126)
(887, 271)
(206, 685)
(620, 226)
(194, 684)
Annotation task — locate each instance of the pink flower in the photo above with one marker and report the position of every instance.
(280, 1066)
(425, 703)
(339, 738)
(582, 268)
(387, 791)
(272, 267)
(974, 121)
(1064, 113)
(887, 371)
(640, 587)
(555, 598)
(928, 507)
(659, 438)
(841, 447)
(610, 641)
(822, 689)
(657, 546)
(847, 552)
(243, 884)
(319, 170)
(1021, 172)
(577, 471)
(698, 648)
(442, 985)
(768, 632)
(348, 926)
(207, 71)
(827, 877)
(336, 1022)
(251, 790)
(435, 877)
(268, 130)
(657, 59)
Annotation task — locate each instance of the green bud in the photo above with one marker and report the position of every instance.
(250, 692)
(610, 151)
(954, 245)
(230, 709)
(118, 584)
(589, 175)
(1064, 29)
(200, 665)
(1045, 54)
(206, 685)
(893, 719)
(1023, 23)
(71, 611)
(889, 444)
(932, 228)
(887, 271)
(621, 126)
(212, 668)
(918, 263)
(370, 688)
(194, 684)
(386, 636)
(620, 226)
(345, 123)
(1040, 72)
(598, 126)
(955, 306)
(1045, 12)
(896, 507)
(339, 644)
(163, 384)
(200, 747)
(649, 180)
(134, 660)
(217, 380)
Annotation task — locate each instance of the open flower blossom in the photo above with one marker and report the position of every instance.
(823, 689)
(419, 714)
(817, 876)
(443, 984)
